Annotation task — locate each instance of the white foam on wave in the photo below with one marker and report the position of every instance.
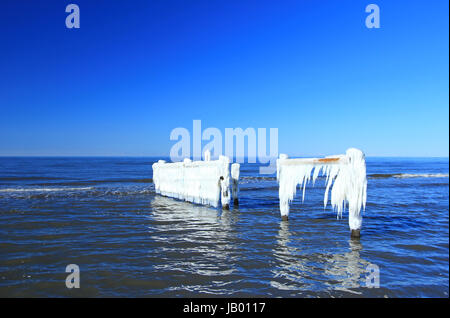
(44, 189)
(421, 175)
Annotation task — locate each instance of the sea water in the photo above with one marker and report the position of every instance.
(103, 215)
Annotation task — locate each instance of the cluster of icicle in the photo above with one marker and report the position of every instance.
(348, 172)
(193, 181)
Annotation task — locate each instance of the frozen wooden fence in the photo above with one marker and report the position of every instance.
(347, 172)
(203, 182)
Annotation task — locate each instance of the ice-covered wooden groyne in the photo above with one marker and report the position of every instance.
(345, 175)
(204, 182)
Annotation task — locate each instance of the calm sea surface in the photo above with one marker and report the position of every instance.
(103, 215)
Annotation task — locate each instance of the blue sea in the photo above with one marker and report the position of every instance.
(103, 215)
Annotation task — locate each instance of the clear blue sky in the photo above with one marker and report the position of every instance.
(137, 69)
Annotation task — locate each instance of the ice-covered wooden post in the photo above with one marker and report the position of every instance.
(348, 172)
(235, 182)
(224, 193)
(204, 182)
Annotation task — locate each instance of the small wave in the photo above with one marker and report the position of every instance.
(258, 178)
(125, 180)
(66, 192)
(44, 189)
(407, 175)
(422, 175)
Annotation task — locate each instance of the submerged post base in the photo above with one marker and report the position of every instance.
(355, 233)
(226, 207)
(284, 218)
(236, 202)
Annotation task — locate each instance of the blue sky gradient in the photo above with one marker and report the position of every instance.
(135, 70)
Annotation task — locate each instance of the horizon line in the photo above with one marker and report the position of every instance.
(166, 156)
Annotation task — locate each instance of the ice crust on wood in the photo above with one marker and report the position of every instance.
(235, 170)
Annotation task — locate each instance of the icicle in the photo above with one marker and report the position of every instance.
(316, 173)
(331, 173)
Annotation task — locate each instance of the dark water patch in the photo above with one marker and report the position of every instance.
(96, 182)
(29, 178)
(417, 247)
(135, 163)
(381, 175)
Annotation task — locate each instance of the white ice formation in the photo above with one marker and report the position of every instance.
(235, 169)
(348, 172)
(194, 181)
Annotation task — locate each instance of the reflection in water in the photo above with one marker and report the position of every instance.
(299, 270)
(348, 268)
(289, 274)
(172, 210)
(196, 240)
